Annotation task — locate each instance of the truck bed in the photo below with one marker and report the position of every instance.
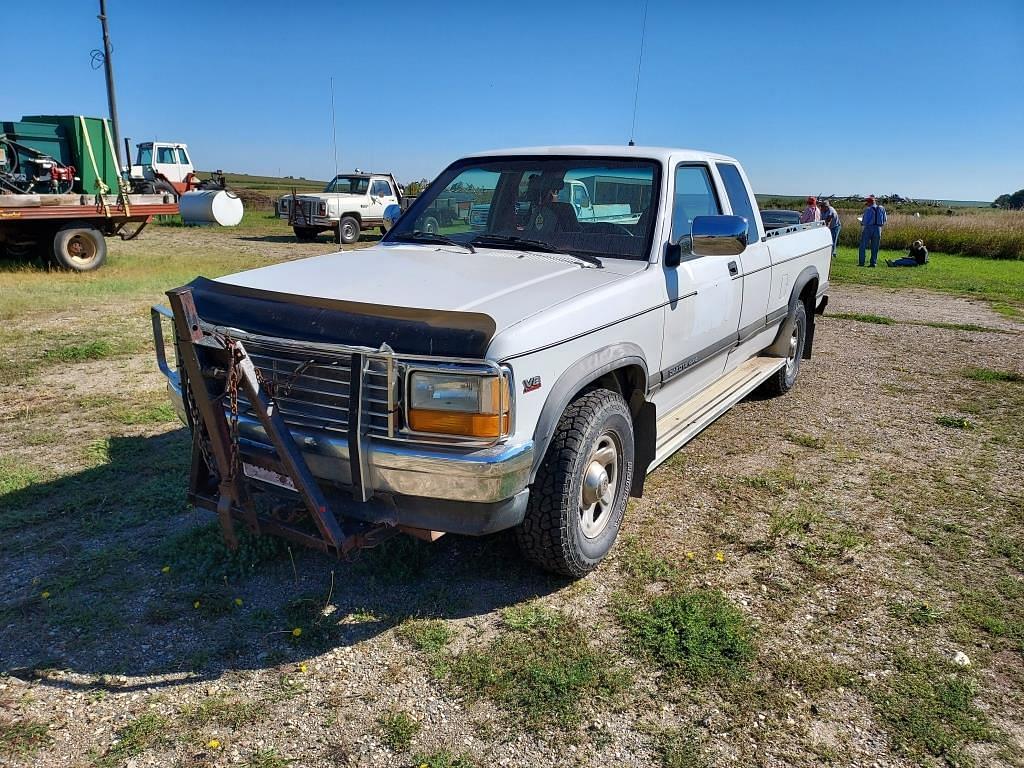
(26, 207)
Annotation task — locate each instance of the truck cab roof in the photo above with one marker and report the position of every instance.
(664, 154)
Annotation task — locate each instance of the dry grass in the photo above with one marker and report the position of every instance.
(988, 234)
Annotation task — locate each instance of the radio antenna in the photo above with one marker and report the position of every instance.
(334, 129)
(639, 65)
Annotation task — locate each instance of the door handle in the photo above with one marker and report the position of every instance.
(733, 268)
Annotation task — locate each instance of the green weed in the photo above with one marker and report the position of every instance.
(928, 708)
(430, 635)
(443, 759)
(226, 710)
(679, 748)
(398, 730)
(23, 738)
(641, 564)
(955, 422)
(863, 318)
(548, 674)
(531, 616)
(201, 551)
(807, 441)
(267, 758)
(699, 635)
(988, 374)
(73, 353)
(133, 739)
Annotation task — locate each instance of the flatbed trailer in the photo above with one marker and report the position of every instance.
(72, 227)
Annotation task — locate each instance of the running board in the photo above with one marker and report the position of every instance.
(677, 428)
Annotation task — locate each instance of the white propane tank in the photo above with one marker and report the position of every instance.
(210, 206)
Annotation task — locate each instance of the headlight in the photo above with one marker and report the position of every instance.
(471, 405)
(322, 209)
(284, 203)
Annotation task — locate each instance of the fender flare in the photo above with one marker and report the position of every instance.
(584, 371)
(780, 347)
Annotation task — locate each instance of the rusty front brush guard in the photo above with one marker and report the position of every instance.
(214, 366)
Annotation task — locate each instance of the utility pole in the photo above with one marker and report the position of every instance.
(108, 68)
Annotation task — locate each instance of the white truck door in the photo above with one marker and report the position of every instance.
(755, 261)
(381, 195)
(703, 312)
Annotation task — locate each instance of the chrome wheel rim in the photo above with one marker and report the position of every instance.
(348, 231)
(599, 485)
(794, 342)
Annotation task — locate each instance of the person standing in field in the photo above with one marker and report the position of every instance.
(871, 222)
(810, 213)
(831, 218)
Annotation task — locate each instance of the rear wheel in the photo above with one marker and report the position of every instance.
(795, 329)
(430, 225)
(81, 249)
(579, 496)
(305, 234)
(348, 229)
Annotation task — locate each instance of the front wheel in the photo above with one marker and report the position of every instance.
(81, 249)
(795, 330)
(348, 229)
(579, 496)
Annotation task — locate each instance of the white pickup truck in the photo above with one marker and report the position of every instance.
(349, 204)
(528, 375)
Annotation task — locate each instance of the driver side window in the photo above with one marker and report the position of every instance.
(694, 196)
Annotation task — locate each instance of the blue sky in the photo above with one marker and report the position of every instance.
(923, 99)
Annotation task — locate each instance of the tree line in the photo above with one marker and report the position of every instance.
(1014, 202)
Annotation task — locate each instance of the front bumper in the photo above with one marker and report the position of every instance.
(471, 492)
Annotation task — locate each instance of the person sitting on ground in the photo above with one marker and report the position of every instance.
(811, 212)
(917, 256)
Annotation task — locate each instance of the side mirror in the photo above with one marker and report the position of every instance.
(718, 235)
(391, 215)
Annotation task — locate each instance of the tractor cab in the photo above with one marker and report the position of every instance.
(163, 161)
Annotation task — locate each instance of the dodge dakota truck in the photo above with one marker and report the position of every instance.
(526, 375)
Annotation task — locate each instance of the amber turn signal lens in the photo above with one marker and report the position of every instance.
(483, 425)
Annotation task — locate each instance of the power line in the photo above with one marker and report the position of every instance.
(639, 65)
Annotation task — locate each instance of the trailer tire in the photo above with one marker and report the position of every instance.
(430, 224)
(306, 234)
(348, 229)
(78, 248)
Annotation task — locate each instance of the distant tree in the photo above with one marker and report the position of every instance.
(416, 187)
(1014, 202)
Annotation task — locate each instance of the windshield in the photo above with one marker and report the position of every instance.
(353, 185)
(591, 206)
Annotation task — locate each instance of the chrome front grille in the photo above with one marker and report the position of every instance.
(312, 388)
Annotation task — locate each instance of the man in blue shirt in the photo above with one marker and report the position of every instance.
(871, 221)
(831, 218)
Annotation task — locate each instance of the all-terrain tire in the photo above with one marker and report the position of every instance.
(784, 379)
(81, 249)
(306, 234)
(348, 229)
(553, 534)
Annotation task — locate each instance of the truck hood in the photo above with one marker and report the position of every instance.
(508, 286)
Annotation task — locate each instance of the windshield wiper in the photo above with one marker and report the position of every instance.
(419, 236)
(532, 245)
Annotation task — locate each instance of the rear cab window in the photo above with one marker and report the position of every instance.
(739, 199)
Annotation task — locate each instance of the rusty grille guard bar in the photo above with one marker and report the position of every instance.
(213, 365)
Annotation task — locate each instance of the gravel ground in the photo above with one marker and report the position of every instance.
(116, 638)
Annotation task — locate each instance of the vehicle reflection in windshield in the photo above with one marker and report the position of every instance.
(589, 207)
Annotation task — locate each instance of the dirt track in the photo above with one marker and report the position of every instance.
(837, 511)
